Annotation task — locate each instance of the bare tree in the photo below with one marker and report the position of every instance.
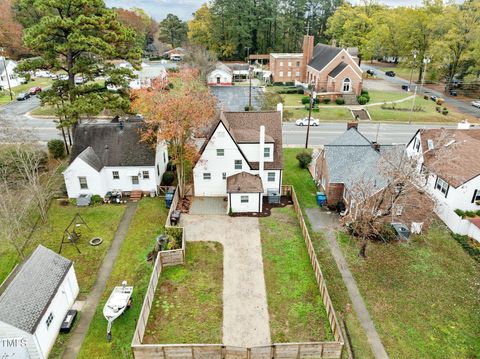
(200, 58)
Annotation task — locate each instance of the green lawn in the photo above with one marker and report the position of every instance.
(403, 72)
(40, 82)
(103, 221)
(188, 304)
(297, 313)
(43, 111)
(428, 115)
(423, 296)
(131, 265)
(305, 189)
(386, 96)
(324, 114)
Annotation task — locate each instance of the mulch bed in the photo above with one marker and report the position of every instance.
(266, 208)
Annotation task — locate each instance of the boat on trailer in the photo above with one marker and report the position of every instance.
(120, 300)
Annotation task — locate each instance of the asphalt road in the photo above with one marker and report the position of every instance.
(462, 106)
(386, 134)
(14, 114)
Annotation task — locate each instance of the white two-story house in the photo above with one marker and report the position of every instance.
(448, 161)
(241, 159)
(111, 156)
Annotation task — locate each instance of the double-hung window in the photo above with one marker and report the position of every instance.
(220, 152)
(238, 164)
(116, 175)
(207, 176)
(146, 174)
(83, 182)
(135, 180)
(49, 320)
(442, 186)
(476, 196)
(266, 152)
(271, 177)
(244, 199)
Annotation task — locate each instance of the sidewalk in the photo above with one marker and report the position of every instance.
(327, 223)
(73, 347)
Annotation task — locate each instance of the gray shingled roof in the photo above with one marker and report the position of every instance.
(336, 71)
(112, 145)
(351, 157)
(90, 158)
(28, 295)
(322, 55)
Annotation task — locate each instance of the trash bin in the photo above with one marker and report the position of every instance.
(321, 199)
(175, 217)
(169, 197)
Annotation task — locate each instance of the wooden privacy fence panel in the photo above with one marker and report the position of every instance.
(314, 350)
(332, 317)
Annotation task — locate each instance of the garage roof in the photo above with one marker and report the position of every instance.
(244, 182)
(30, 291)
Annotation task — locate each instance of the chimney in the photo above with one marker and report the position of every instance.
(261, 159)
(352, 125)
(307, 55)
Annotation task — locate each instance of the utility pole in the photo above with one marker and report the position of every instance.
(6, 74)
(414, 53)
(413, 105)
(312, 97)
(250, 89)
(426, 60)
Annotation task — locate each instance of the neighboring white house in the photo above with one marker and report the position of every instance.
(12, 75)
(111, 156)
(33, 303)
(146, 75)
(222, 75)
(241, 159)
(448, 158)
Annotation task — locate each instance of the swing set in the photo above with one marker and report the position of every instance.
(70, 235)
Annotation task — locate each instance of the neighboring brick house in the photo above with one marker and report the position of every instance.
(343, 162)
(286, 67)
(334, 71)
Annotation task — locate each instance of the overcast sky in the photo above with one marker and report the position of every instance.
(184, 9)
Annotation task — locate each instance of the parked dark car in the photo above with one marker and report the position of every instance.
(371, 72)
(22, 96)
(453, 93)
(35, 90)
(390, 73)
(433, 98)
(405, 88)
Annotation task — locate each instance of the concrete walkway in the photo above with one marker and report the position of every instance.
(76, 340)
(245, 310)
(327, 223)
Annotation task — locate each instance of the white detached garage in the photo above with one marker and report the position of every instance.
(33, 303)
(245, 192)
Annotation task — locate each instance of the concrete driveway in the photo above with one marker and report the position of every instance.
(245, 310)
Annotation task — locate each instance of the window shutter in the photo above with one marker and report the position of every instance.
(436, 181)
(446, 193)
(474, 195)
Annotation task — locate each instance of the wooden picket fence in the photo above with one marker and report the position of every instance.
(310, 350)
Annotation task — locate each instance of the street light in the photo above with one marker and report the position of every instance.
(250, 68)
(414, 53)
(6, 73)
(313, 95)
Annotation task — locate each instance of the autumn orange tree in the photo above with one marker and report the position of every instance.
(175, 111)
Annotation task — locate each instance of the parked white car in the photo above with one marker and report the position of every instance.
(304, 122)
(476, 104)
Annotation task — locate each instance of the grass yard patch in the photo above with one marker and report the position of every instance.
(188, 304)
(131, 265)
(103, 221)
(324, 113)
(423, 296)
(387, 96)
(296, 310)
(305, 189)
